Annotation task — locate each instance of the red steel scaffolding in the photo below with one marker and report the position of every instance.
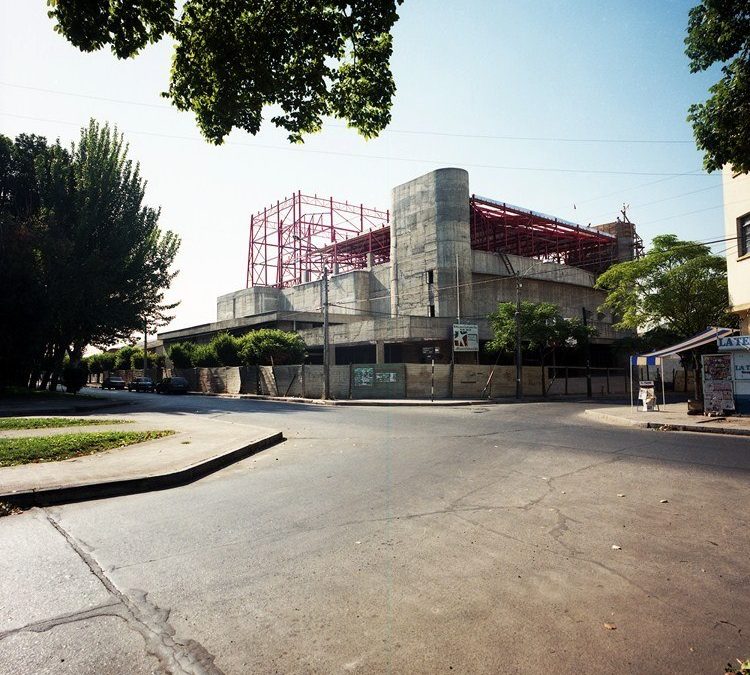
(503, 228)
(291, 241)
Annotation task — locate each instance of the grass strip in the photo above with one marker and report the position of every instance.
(11, 423)
(15, 451)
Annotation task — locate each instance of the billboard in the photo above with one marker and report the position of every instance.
(465, 337)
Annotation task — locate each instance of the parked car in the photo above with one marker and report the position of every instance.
(172, 385)
(141, 384)
(113, 382)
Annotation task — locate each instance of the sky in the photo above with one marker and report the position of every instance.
(570, 108)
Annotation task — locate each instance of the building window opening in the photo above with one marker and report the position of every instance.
(431, 311)
(430, 278)
(743, 234)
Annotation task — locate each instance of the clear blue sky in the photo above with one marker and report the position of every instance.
(490, 86)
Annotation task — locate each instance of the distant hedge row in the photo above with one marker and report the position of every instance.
(125, 358)
(265, 347)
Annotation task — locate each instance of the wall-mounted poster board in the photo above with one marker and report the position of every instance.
(718, 390)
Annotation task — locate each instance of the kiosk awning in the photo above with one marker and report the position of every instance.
(711, 334)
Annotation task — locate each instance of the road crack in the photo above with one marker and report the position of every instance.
(178, 656)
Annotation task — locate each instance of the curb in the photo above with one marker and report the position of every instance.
(664, 426)
(129, 486)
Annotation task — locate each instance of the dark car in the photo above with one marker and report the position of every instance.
(173, 385)
(141, 384)
(113, 382)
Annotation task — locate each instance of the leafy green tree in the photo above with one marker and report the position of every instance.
(204, 356)
(124, 357)
(271, 346)
(24, 299)
(231, 59)
(719, 32)
(543, 330)
(82, 259)
(678, 285)
(227, 349)
(677, 289)
(136, 359)
(107, 361)
(181, 354)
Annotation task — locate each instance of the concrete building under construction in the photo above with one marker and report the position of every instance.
(399, 279)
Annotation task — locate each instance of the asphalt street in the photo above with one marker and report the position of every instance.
(520, 538)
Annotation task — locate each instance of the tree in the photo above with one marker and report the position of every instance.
(82, 259)
(271, 347)
(181, 354)
(678, 286)
(543, 330)
(227, 349)
(231, 59)
(719, 32)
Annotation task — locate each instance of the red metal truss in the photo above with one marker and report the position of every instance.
(292, 240)
(503, 228)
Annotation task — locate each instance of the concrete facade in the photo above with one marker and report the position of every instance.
(737, 228)
(388, 312)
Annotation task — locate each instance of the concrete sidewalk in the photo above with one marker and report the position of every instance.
(200, 446)
(671, 417)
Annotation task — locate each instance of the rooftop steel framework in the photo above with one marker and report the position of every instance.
(499, 227)
(291, 241)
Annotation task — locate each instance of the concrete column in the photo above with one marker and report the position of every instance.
(430, 232)
(379, 351)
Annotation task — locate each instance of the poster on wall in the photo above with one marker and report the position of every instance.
(718, 392)
(363, 377)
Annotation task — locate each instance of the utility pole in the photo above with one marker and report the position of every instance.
(587, 348)
(326, 357)
(145, 346)
(519, 371)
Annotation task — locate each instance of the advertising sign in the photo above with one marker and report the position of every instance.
(718, 392)
(741, 361)
(465, 337)
(733, 342)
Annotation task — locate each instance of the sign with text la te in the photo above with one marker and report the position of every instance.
(733, 343)
(465, 337)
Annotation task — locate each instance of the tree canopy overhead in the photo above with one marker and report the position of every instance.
(678, 285)
(232, 58)
(719, 33)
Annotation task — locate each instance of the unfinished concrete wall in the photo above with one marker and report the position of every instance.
(429, 236)
(247, 302)
(288, 381)
(338, 381)
(419, 380)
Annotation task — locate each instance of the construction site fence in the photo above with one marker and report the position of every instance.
(395, 381)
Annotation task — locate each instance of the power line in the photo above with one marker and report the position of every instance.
(690, 213)
(696, 173)
(414, 132)
(602, 214)
(260, 146)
